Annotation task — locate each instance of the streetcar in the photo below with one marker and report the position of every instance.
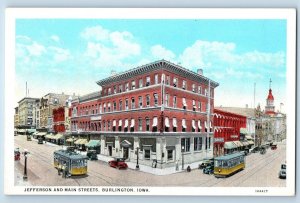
(227, 165)
(70, 162)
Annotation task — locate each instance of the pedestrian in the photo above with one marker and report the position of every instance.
(188, 169)
(58, 169)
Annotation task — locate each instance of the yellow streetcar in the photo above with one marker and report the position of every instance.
(71, 162)
(229, 164)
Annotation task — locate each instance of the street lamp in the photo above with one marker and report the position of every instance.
(73, 140)
(137, 167)
(182, 155)
(25, 164)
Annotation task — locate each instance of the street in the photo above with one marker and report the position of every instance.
(260, 171)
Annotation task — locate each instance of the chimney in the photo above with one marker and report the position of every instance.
(200, 71)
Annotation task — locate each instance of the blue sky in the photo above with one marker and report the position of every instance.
(69, 56)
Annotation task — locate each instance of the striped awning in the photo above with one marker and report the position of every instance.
(250, 142)
(245, 143)
(238, 143)
(229, 145)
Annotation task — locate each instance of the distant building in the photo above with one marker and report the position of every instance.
(16, 117)
(62, 117)
(47, 104)
(26, 108)
(270, 108)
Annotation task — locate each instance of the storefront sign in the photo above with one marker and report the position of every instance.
(219, 139)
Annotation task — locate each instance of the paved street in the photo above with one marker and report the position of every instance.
(260, 171)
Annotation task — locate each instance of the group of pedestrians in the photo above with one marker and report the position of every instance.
(64, 170)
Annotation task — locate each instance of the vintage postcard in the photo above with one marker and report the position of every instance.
(150, 101)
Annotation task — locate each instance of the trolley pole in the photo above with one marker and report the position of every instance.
(25, 165)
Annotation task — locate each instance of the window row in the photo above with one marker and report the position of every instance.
(198, 144)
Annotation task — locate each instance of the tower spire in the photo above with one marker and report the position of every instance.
(270, 83)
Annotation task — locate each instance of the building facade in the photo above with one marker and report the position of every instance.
(16, 117)
(47, 104)
(61, 119)
(227, 131)
(26, 108)
(158, 113)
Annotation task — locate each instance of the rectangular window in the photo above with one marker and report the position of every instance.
(100, 108)
(120, 88)
(141, 83)
(209, 141)
(104, 108)
(185, 144)
(108, 125)
(167, 100)
(140, 124)
(127, 87)
(109, 91)
(193, 87)
(206, 142)
(197, 143)
(199, 106)
(140, 101)
(148, 82)
(120, 105)
(184, 84)
(206, 92)
(174, 102)
(147, 124)
(132, 103)
(108, 107)
(194, 105)
(115, 105)
(168, 80)
(156, 78)
(175, 82)
(115, 89)
(133, 85)
(155, 99)
(126, 104)
(170, 154)
(199, 90)
(148, 100)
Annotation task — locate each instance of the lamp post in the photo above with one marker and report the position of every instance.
(137, 167)
(182, 155)
(73, 140)
(25, 164)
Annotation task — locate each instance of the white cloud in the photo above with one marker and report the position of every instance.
(97, 33)
(55, 38)
(36, 49)
(160, 52)
(59, 54)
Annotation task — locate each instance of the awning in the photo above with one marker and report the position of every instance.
(183, 123)
(245, 143)
(114, 123)
(243, 131)
(126, 123)
(49, 136)
(81, 141)
(120, 122)
(238, 143)
(194, 103)
(193, 124)
(154, 122)
(93, 143)
(77, 141)
(167, 122)
(250, 142)
(41, 134)
(229, 145)
(174, 122)
(21, 131)
(125, 143)
(58, 136)
(132, 123)
(31, 130)
(70, 139)
(248, 137)
(199, 124)
(184, 102)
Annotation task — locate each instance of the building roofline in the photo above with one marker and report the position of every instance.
(156, 65)
(31, 98)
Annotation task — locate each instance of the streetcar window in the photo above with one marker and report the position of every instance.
(216, 163)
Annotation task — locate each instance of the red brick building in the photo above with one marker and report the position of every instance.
(227, 131)
(160, 111)
(61, 119)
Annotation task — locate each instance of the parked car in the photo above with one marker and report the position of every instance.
(28, 138)
(255, 150)
(209, 169)
(17, 154)
(273, 147)
(92, 154)
(40, 140)
(282, 172)
(118, 163)
(205, 163)
(263, 150)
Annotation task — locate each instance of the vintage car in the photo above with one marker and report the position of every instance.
(282, 172)
(273, 147)
(254, 150)
(209, 169)
(205, 163)
(28, 137)
(263, 150)
(40, 140)
(92, 154)
(118, 163)
(17, 154)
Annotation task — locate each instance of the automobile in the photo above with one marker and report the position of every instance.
(273, 147)
(40, 140)
(17, 154)
(209, 169)
(28, 138)
(92, 154)
(205, 163)
(255, 150)
(282, 172)
(263, 150)
(118, 163)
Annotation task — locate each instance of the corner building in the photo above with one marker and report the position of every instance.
(157, 112)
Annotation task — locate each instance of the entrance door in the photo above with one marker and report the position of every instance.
(109, 150)
(125, 152)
